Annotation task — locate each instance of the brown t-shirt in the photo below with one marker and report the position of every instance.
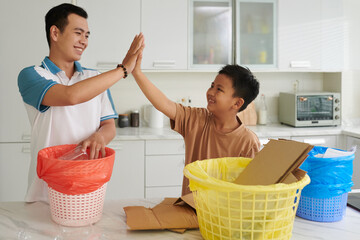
(203, 141)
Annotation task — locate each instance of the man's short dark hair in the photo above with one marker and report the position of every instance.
(58, 16)
(245, 84)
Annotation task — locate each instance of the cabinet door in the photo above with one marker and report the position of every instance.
(333, 35)
(350, 142)
(165, 147)
(113, 25)
(164, 24)
(163, 192)
(14, 168)
(210, 26)
(127, 180)
(22, 44)
(300, 34)
(164, 170)
(325, 141)
(256, 33)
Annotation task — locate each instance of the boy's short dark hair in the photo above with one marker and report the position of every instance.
(58, 16)
(245, 84)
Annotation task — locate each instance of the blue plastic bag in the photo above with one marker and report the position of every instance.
(330, 177)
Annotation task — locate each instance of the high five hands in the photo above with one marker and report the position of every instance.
(134, 51)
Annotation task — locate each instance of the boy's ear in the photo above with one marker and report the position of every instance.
(238, 103)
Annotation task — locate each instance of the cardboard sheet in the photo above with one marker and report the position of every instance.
(172, 213)
(277, 162)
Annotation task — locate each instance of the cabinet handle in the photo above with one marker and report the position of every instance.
(116, 146)
(106, 65)
(25, 149)
(300, 64)
(318, 141)
(26, 137)
(164, 64)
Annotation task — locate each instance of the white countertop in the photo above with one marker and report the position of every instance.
(19, 220)
(270, 130)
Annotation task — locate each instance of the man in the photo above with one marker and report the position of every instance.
(67, 103)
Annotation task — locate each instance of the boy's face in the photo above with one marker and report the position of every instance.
(220, 96)
(74, 39)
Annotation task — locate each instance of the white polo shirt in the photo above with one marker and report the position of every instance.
(58, 125)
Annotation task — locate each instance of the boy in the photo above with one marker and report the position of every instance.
(215, 131)
(66, 103)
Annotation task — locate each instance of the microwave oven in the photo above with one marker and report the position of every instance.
(309, 109)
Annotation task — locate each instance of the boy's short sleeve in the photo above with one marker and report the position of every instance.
(188, 119)
(33, 87)
(107, 106)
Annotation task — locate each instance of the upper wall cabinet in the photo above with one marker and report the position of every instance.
(224, 32)
(210, 34)
(311, 35)
(164, 24)
(113, 25)
(256, 44)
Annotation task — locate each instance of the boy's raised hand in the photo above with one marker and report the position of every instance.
(133, 52)
(137, 68)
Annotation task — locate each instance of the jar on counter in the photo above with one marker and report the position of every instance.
(123, 120)
(135, 118)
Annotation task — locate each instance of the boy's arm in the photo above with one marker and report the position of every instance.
(152, 93)
(97, 141)
(61, 95)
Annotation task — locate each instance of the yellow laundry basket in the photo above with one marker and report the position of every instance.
(227, 210)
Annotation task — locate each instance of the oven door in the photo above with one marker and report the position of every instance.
(315, 108)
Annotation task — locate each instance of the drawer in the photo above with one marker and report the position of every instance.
(164, 170)
(163, 147)
(162, 192)
(325, 141)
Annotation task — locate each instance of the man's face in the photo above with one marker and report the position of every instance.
(74, 39)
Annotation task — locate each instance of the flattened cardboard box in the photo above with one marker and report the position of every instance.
(175, 214)
(277, 162)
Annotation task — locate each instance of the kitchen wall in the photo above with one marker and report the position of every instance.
(127, 96)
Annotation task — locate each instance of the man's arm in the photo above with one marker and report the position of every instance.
(61, 95)
(152, 93)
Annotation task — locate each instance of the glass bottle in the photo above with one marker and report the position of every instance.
(262, 118)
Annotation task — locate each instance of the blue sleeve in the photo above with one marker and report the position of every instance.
(33, 87)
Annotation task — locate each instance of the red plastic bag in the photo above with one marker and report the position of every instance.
(73, 177)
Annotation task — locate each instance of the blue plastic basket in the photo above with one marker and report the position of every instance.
(322, 209)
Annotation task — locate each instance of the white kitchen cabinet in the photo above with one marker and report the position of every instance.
(164, 164)
(311, 35)
(127, 180)
(256, 33)
(265, 140)
(164, 24)
(350, 142)
(14, 168)
(300, 34)
(22, 44)
(210, 34)
(113, 25)
(324, 141)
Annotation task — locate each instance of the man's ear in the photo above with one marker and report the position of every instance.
(238, 103)
(54, 33)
